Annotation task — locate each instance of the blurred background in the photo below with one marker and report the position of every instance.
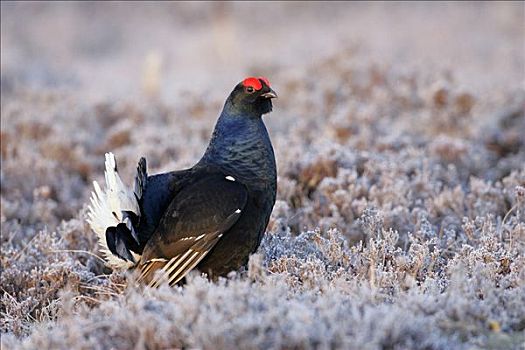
(128, 49)
(143, 78)
(354, 79)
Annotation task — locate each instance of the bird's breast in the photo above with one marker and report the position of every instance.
(242, 148)
(253, 162)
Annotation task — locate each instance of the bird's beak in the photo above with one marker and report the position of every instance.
(270, 94)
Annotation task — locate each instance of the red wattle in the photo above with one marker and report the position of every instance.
(252, 82)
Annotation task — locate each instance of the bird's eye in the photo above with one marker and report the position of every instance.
(249, 89)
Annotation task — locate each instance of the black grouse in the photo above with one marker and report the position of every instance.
(211, 216)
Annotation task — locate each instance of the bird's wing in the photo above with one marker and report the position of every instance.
(156, 196)
(194, 222)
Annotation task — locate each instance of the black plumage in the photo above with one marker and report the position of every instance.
(213, 215)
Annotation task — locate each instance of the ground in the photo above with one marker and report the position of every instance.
(398, 133)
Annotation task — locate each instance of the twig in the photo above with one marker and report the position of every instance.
(78, 251)
(503, 223)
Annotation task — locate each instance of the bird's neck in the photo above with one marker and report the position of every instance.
(241, 146)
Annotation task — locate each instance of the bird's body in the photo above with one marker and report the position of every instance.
(211, 216)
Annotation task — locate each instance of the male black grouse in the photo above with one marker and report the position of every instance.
(211, 216)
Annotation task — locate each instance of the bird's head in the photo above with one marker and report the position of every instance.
(251, 97)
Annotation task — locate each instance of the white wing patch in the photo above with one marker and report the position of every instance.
(177, 267)
(230, 178)
(107, 207)
(199, 237)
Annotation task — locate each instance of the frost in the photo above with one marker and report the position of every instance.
(400, 215)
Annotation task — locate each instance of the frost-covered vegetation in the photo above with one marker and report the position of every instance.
(400, 220)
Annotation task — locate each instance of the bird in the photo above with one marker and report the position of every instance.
(209, 217)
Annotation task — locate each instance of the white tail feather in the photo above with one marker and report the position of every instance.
(107, 207)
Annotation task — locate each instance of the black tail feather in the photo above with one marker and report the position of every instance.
(140, 178)
(121, 242)
(131, 220)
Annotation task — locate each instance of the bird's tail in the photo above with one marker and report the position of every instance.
(114, 214)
